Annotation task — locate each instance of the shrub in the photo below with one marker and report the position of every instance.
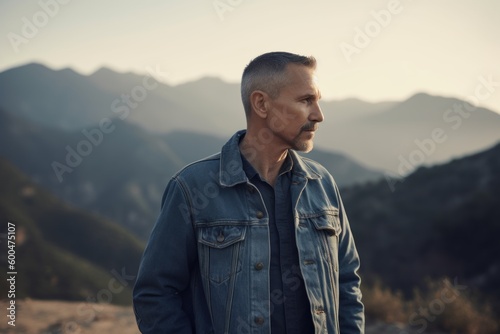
(442, 306)
(384, 305)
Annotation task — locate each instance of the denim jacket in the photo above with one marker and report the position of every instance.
(205, 268)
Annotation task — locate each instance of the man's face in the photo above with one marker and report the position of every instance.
(295, 113)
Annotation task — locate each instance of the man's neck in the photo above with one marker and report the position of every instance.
(266, 159)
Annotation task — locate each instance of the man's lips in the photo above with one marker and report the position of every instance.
(312, 129)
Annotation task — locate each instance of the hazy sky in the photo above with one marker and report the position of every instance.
(440, 47)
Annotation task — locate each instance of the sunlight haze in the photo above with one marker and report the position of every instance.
(437, 47)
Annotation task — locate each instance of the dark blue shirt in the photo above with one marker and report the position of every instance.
(290, 308)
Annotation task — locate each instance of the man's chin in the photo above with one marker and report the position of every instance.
(304, 147)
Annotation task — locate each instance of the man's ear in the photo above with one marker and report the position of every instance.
(259, 103)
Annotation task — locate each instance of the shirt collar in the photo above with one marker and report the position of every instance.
(250, 171)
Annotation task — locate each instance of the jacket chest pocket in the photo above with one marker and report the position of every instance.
(219, 249)
(328, 229)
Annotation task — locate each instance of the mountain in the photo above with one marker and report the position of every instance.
(62, 99)
(122, 169)
(438, 221)
(386, 135)
(421, 130)
(340, 111)
(63, 252)
(72, 101)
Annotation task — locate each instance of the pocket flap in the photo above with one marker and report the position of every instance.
(328, 221)
(221, 236)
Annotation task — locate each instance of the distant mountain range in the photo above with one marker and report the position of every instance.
(63, 252)
(421, 130)
(122, 176)
(393, 136)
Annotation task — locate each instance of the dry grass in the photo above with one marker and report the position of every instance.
(57, 317)
(441, 307)
(437, 309)
(384, 305)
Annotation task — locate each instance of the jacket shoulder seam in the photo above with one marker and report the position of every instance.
(212, 157)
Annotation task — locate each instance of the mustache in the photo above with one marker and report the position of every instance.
(310, 127)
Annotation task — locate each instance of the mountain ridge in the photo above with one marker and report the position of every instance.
(375, 134)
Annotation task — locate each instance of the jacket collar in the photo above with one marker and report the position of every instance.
(302, 166)
(231, 166)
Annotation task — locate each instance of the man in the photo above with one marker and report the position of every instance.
(255, 239)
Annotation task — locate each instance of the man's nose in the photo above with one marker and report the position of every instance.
(316, 114)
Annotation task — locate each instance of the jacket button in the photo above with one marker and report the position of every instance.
(260, 214)
(220, 237)
(259, 266)
(259, 320)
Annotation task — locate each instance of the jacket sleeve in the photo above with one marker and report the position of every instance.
(164, 272)
(351, 309)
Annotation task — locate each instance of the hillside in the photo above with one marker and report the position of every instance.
(439, 221)
(122, 178)
(63, 252)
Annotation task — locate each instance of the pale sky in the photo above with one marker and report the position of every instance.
(440, 47)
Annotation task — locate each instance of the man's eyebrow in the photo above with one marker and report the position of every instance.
(310, 95)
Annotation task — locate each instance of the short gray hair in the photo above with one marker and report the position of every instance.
(267, 73)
